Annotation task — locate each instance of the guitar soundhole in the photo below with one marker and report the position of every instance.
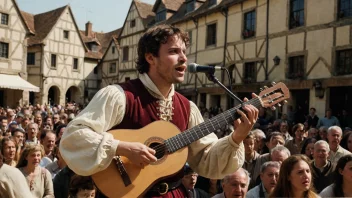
(159, 148)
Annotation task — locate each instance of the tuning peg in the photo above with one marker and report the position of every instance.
(273, 83)
(278, 104)
(285, 101)
(261, 89)
(265, 87)
(273, 108)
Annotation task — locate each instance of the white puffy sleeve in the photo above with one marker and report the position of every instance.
(212, 157)
(85, 145)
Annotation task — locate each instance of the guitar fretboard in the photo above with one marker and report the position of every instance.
(209, 126)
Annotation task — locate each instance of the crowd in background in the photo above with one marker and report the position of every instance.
(295, 155)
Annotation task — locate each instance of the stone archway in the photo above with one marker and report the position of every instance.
(54, 95)
(73, 94)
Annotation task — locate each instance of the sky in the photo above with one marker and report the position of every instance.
(106, 15)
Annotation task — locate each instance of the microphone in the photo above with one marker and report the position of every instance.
(194, 68)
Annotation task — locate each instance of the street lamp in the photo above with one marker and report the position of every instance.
(276, 60)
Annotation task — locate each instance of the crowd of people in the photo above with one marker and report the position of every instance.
(282, 161)
(29, 142)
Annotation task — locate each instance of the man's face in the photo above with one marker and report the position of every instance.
(269, 178)
(18, 136)
(249, 145)
(189, 181)
(3, 124)
(328, 114)
(278, 156)
(334, 138)
(49, 142)
(320, 153)
(275, 141)
(283, 128)
(312, 133)
(11, 115)
(56, 118)
(170, 66)
(32, 131)
(312, 112)
(236, 186)
(38, 120)
(49, 121)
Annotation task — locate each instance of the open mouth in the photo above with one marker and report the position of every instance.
(181, 68)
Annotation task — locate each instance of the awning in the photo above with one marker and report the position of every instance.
(16, 82)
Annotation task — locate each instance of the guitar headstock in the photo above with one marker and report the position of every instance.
(271, 96)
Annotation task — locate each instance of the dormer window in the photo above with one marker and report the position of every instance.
(161, 16)
(190, 5)
(93, 47)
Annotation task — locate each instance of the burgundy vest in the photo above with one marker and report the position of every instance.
(141, 110)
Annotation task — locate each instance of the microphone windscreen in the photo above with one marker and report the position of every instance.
(192, 68)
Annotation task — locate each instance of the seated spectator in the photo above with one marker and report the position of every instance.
(82, 187)
(235, 184)
(308, 147)
(189, 181)
(334, 139)
(259, 140)
(269, 173)
(342, 179)
(12, 182)
(295, 179)
(38, 179)
(9, 151)
(295, 145)
(322, 168)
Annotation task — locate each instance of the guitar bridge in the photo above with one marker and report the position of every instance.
(123, 173)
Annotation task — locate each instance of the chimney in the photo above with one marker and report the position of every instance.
(89, 26)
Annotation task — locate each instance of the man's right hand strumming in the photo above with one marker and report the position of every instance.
(138, 153)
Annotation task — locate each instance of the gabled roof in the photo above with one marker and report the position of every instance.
(203, 10)
(173, 5)
(21, 16)
(145, 11)
(42, 24)
(113, 41)
(102, 39)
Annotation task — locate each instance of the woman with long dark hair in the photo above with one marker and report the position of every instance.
(342, 181)
(295, 179)
(9, 151)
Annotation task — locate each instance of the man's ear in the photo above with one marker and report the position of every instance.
(149, 58)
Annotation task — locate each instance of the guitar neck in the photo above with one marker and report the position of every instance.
(209, 126)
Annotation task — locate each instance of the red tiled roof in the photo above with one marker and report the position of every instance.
(102, 39)
(29, 21)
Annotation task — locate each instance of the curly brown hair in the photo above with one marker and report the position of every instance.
(152, 39)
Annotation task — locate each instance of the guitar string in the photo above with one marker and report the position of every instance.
(187, 135)
(207, 125)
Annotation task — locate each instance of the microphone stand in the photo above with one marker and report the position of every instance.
(212, 77)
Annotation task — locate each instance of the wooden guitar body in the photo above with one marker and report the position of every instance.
(109, 181)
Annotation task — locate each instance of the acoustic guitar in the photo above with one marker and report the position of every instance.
(124, 179)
